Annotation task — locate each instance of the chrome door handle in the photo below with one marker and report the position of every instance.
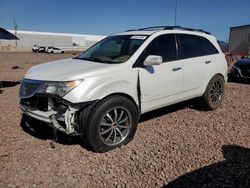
(176, 69)
(207, 62)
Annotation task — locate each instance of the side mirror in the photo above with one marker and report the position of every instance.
(152, 60)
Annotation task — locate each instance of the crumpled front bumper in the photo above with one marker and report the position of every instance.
(63, 122)
(61, 115)
(37, 114)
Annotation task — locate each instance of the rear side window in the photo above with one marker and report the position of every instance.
(194, 46)
(164, 46)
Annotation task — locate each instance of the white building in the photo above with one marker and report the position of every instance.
(65, 41)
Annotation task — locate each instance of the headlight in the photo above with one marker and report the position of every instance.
(58, 88)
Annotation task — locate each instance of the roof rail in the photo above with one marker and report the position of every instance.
(185, 28)
(169, 28)
(148, 28)
(152, 28)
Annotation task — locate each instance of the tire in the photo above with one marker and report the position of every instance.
(214, 93)
(62, 52)
(111, 123)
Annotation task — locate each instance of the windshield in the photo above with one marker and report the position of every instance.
(113, 49)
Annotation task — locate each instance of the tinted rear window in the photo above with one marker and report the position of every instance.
(195, 46)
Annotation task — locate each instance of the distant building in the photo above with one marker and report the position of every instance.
(62, 40)
(239, 40)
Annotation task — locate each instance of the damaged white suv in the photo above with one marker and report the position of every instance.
(101, 94)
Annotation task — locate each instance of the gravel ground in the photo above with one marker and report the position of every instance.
(13, 65)
(177, 146)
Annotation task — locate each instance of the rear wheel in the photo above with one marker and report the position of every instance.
(214, 93)
(112, 123)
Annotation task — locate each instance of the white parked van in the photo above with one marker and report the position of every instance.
(101, 93)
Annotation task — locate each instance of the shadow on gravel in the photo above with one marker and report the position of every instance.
(43, 131)
(4, 84)
(234, 171)
(193, 104)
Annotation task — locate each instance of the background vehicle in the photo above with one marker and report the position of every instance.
(241, 69)
(41, 49)
(52, 50)
(101, 93)
(35, 48)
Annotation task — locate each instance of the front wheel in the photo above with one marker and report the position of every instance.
(214, 93)
(112, 123)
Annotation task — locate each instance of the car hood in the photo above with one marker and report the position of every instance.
(68, 69)
(243, 62)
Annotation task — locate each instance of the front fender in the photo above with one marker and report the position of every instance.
(119, 86)
(97, 88)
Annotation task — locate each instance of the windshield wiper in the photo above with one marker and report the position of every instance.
(96, 59)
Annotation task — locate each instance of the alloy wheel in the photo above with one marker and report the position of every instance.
(115, 126)
(216, 92)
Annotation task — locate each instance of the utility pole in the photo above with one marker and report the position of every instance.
(175, 17)
(15, 28)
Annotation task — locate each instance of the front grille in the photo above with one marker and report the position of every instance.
(28, 88)
(36, 102)
(41, 102)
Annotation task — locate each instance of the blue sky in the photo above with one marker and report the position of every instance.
(107, 17)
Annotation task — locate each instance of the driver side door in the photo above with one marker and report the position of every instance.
(160, 84)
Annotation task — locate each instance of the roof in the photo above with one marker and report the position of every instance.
(168, 29)
(241, 26)
(151, 30)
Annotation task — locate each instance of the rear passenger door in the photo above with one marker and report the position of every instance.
(197, 56)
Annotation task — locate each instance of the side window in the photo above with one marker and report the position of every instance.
(194, 46)
(207, 48)
(164, 46)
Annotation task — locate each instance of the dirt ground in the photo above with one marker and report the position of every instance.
(14, 65)
(177, 146)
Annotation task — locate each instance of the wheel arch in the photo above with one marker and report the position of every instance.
(87, 111)
(123, 95)
(208, 80)
(212, 98)
(204, 87)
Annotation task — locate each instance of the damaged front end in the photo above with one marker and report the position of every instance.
(50, 108)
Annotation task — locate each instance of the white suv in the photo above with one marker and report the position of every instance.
(101, 94)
